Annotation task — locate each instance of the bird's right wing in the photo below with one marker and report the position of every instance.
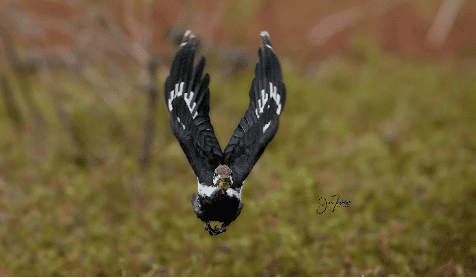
(187, 97)
(260, 123)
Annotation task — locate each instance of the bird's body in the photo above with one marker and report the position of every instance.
(221, 174)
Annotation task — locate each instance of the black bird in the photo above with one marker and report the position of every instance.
(221, 174)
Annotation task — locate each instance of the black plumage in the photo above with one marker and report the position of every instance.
(221, 174)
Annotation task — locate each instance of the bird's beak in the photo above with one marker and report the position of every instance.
(224, 185)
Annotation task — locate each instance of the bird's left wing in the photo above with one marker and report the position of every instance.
(187, 97)
(260, 123)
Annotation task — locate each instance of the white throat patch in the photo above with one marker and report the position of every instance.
(205, 190)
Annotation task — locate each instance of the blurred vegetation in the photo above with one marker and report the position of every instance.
(395, 136)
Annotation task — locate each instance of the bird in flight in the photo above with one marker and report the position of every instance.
(221, 174)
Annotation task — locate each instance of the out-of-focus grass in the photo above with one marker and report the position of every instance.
(395, 137)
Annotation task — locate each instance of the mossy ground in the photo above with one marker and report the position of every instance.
(394, 136)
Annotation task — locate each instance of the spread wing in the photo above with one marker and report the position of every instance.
(187, 97)
(260, 123)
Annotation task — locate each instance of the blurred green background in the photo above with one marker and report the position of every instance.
(381, 101)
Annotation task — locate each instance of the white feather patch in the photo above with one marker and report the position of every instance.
(234, 192)
(266, 126)
(205, 190)
(183, 126)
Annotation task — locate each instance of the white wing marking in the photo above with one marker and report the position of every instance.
(183, 126)
(275, 96)
(263, 100)
(272, 90)
(178, 92)
(266, 126)
(278, 102)
(175, 93)
(170, 100)
(188, 100)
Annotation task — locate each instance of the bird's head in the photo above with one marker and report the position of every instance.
(222, 178)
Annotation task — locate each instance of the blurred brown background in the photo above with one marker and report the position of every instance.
(71, 33)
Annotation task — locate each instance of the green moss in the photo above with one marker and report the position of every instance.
(395, 137)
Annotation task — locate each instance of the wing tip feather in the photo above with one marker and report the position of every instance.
(265, 40)
(188, 37)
